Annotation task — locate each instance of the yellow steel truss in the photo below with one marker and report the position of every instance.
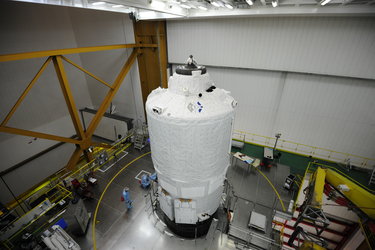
(83, 142)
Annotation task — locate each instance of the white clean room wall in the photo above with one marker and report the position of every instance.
(322, 45)
(329, 112)
(322, 111)
(309, 78)
(92, 28)
(30, 27)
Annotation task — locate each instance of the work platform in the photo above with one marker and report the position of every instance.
(253, 193)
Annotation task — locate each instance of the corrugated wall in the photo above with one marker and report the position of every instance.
(258, 61)
(342, 46)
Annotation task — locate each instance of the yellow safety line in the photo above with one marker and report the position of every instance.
(102, 195)
(274, 189)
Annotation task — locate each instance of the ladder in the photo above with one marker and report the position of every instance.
(372, 177)
(138, 141)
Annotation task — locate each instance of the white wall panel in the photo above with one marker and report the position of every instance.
(343, 46)
(322, 111)
(93, 28)
(256, 93)
(329, 112)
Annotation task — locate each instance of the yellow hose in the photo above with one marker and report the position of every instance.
(102, 195)
(274, 189)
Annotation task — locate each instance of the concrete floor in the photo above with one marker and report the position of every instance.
(118, 228)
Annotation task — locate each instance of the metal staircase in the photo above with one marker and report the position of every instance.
(140, 136)
(138, 141)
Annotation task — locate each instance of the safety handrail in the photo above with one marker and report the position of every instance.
(303, 149)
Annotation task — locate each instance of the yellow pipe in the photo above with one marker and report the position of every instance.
(274, 189)
(102, 195)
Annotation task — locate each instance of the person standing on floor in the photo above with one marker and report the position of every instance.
(126, 197)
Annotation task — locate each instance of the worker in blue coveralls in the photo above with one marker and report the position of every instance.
(126, 196)
(145, 181)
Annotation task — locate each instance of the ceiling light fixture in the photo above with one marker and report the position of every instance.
(118, 6)
(158, 4)
(249, 2)
(185, 6)
(215, 4)
(274, 3)
(228, 6)
(202, 7)
(324, 2)
(98, 3)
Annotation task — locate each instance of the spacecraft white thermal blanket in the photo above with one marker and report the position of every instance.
(191, 138)
(190, 134)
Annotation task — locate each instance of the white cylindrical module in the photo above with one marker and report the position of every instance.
(190, 127)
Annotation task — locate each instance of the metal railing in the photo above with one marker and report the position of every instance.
(61, 193)
(306, 150)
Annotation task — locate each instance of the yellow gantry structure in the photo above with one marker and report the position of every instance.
(354, 192)
(360, 197)
(319, 180)
(83, 141)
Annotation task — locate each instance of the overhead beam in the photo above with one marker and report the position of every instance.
(302, 10)
(45, 53)
(18, 131)
(26, 91)
(111, 93)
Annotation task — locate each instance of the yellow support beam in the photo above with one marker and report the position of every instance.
(23, 132)
(319, 178)
(57, 57)
(64, 84)
(36, 54)
(26, 91)
(74, 158)
(86, 71)
(111, 93)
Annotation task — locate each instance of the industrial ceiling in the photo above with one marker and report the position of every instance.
(181, 9)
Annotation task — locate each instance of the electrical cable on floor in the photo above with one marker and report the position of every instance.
(274, 189)
(102, 195)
